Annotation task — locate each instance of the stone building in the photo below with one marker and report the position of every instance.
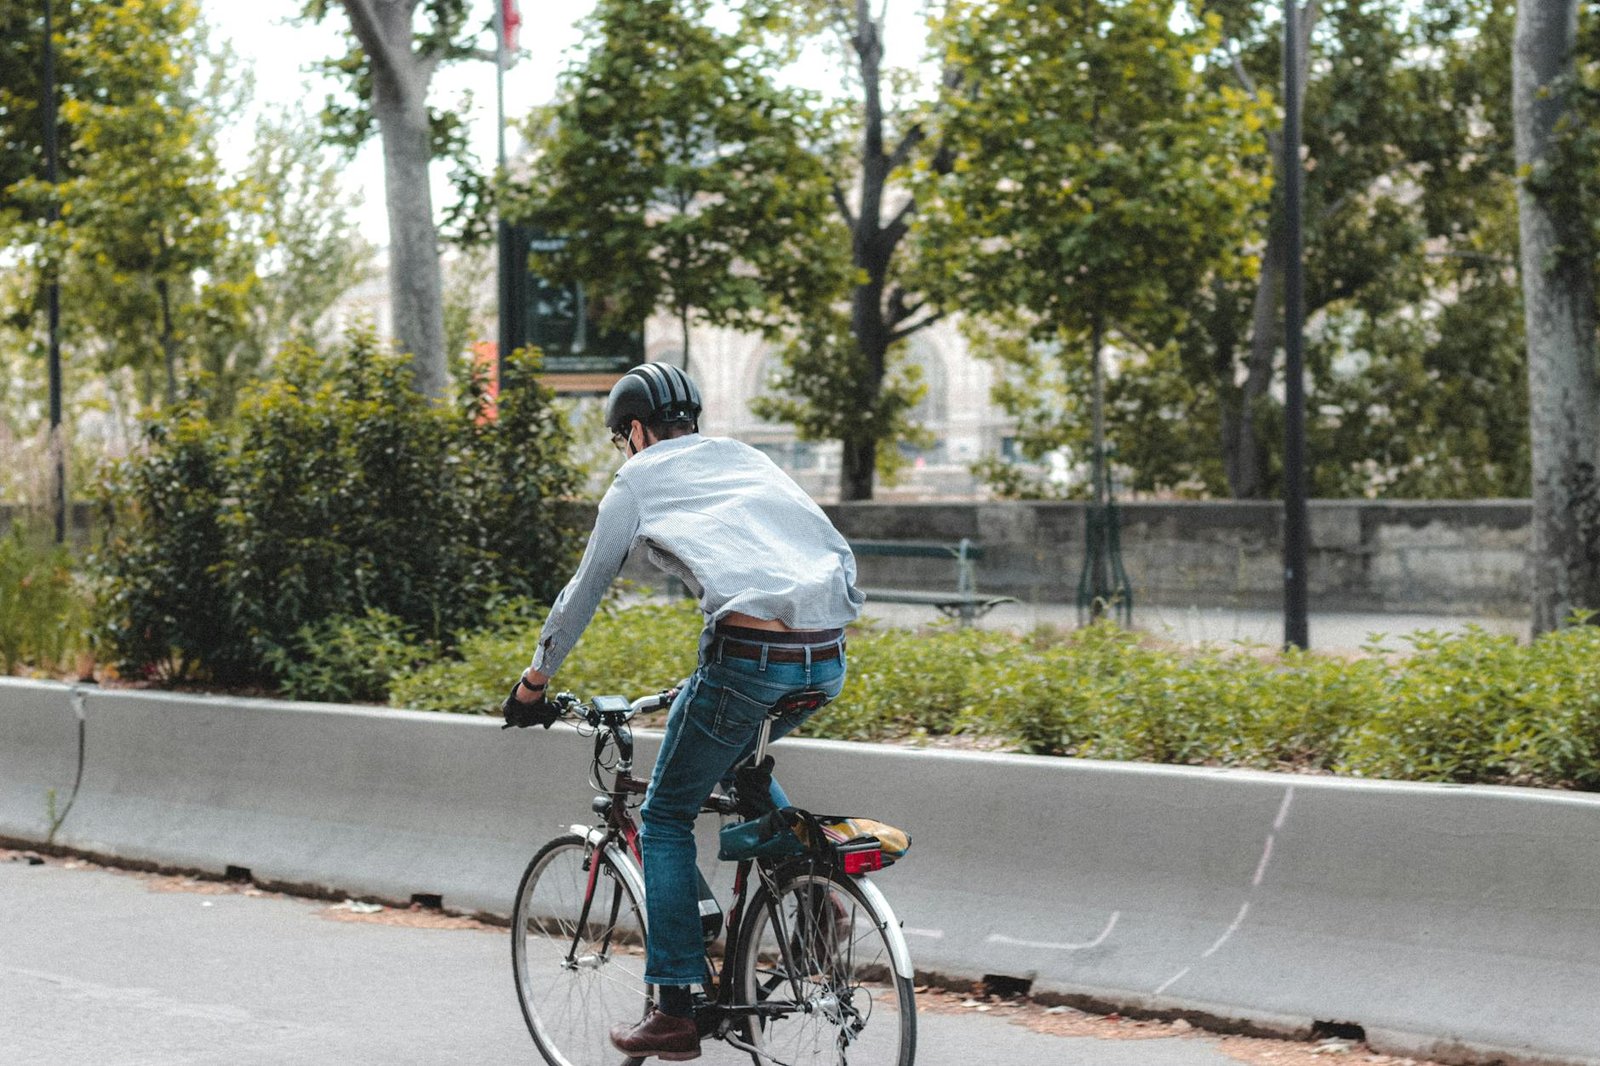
(734, 368)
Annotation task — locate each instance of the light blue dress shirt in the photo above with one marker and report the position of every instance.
(724, 519)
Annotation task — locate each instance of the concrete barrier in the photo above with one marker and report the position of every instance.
(1461, 923)
(38, 756)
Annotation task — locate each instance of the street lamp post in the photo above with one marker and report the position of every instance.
(1296, 628)
(53, 285)
(505, 254)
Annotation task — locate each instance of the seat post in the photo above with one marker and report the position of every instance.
(761, 741)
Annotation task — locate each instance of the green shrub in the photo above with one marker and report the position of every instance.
(904, 683)
(1482, 708)
(1461, 708)
(625, 652)
(42, 608)
(337, 490)
(346, 660)
(161, 607)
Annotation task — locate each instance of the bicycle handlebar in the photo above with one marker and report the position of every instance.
(613, 709)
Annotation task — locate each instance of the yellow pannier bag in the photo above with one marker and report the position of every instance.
(852, 833)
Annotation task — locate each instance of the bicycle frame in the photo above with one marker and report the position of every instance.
(612, 728)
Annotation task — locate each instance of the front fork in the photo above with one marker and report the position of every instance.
(594, 858)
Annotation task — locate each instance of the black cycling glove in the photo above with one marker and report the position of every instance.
(541, 711)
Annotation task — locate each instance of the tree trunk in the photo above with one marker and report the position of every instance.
(1558, 297)
(169, 340)
(683, 325)
(859, 467)
(880, 313)
(1244, 451)
(400, 80)
(858, 471)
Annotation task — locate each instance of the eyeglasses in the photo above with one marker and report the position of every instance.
(620, 442)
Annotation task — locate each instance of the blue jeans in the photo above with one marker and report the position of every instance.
(712, 725)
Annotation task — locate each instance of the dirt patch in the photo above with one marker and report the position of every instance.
(412, 917)
(415, 916)
(1068, 1021)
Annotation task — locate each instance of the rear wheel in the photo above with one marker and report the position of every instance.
(578, 956)
(818, 945)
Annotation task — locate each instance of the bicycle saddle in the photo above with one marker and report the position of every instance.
(806, 701)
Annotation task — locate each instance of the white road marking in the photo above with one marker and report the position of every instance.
(932, 934)
(997, 938)
(1232, 929)
(1174, 979)
(1261, 867)
(1283, 811)
(1255, 883)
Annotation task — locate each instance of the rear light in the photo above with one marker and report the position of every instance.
(860, 862)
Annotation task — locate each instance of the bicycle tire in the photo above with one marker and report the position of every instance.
(852, 1004)
(573, 985)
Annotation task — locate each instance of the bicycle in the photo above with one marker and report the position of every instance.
(812, 965)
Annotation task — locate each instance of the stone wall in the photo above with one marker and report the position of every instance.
(1448, 557)
(80, 520)
(1453, 557)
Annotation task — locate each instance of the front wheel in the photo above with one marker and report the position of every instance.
(578, 950)
(815, 948)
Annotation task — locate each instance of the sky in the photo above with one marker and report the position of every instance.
(280, 53)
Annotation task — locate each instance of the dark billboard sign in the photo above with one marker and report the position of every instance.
(559, 320)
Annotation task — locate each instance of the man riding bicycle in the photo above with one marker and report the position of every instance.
(776, 583)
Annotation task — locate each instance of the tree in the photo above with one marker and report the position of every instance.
(22, 88)
(292, 234)
(1403, 145)
(143, 208)
(1414, 346)
(682, 176)
(846, 384)
(389, 67)
(176, 277)
(1558, 253)
(1096, 186)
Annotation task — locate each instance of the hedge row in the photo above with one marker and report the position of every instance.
(1472, 707)
(336, 492)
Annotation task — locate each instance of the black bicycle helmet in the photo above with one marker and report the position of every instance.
(655, 394)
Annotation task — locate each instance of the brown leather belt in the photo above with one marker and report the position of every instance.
(781, 646)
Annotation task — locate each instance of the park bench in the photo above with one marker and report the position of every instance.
(964, 602)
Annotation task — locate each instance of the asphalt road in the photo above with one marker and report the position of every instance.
(114, 969)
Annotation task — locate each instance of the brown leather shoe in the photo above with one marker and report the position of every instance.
(662, 1035)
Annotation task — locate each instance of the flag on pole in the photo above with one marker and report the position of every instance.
(511, 19)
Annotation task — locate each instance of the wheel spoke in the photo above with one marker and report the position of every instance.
(577, 978)
(820, 939)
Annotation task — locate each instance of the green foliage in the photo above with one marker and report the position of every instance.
(1570, 181)
(824, 388)
(1414, 349)
(1466, 708)
(344, 659)
(905, 683)
(161, 606)
(1093, 178)
(43, 610)
(623, 652)
(335, 491)
(171, 269)
(449, 33)
(1481, 707)
(683, 175)
(1097, 184)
